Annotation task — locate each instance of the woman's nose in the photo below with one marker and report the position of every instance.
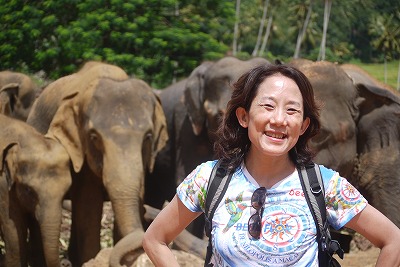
(279, 117)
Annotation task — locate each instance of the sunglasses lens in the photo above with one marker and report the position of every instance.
(255, 225)
(258, 198)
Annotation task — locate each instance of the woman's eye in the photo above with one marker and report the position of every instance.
(292, 110)
(267, 106)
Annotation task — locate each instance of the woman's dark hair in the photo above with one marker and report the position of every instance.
(233, 142)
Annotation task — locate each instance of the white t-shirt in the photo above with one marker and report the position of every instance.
(288, 236)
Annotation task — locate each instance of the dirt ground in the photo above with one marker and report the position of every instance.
(362, 253)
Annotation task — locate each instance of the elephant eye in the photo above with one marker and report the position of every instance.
(95, 139)
(148, 136)
(93, 136)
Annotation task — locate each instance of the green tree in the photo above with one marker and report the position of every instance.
(385, 30)
(153, 40)
(303, 12)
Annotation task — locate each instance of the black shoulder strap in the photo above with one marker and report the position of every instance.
(315, 196)
(217, 186)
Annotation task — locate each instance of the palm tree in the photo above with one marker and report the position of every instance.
(327, 12)
(236, 29)
(266, 36)
(261, 28)
(302, 31)
(386, 33)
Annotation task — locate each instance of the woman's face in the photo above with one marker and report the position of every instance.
(275, 119)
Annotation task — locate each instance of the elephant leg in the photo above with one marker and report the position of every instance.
(35, 245)
(14, 229)
(87, 206)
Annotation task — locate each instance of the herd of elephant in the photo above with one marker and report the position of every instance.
(99, 135)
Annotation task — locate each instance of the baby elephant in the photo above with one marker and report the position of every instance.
(35, 176)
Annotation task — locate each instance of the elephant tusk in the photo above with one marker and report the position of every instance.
(185, 241)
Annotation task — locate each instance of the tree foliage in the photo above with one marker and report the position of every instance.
(163, 41)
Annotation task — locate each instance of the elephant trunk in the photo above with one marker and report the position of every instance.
(50, 223)
(130, 245)
(124, 185)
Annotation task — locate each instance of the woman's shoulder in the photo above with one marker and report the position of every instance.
(325, 171)
(203, 170)
(327, 174)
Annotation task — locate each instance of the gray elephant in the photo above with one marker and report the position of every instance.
(35, 176)
(336, 144)
(207, 92)
(184, 150)
(112, 127)
(17, 94)
(359, 135)
(193, 107)
(376, 172)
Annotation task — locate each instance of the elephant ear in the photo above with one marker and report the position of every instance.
(7, 162)
(8, 96)
(64, 128)
(194, 97)
(160, 131)
(375, 97)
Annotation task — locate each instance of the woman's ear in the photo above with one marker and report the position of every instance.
(305, 125)
(242, 117)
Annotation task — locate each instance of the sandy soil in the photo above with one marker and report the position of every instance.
(362, 253)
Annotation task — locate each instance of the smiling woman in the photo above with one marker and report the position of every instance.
(263, 139)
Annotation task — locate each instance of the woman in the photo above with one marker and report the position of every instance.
(269, 120)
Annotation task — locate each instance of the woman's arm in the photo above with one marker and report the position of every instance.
(172, 220)
(382, 232)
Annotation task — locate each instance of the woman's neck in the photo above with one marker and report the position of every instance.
(267, 171)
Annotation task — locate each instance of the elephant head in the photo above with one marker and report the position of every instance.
(115, 128)
(194, 96)
(336, 143)
(208, 90)
(48, 102)
(35, 178)
(360, 132)
(21, 91)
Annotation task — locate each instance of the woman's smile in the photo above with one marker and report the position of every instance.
(275, 135)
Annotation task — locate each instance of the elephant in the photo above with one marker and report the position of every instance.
(336, 143)
(184, 149)
(190, 121)
(17, 93)
(35, 177)
(112, 127)
(207, 94)
(376, 173)
(359, 134)
(190, 124)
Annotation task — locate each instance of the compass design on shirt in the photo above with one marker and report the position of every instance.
(282, 228)
(349, 192)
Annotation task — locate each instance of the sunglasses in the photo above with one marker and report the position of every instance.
(257, 202)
